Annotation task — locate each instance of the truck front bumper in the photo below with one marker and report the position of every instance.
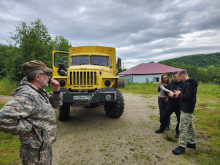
(95, 97)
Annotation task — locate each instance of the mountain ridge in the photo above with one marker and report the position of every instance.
(199, 60)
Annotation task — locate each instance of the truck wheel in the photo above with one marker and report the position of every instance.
(64, 112)
(115, 109)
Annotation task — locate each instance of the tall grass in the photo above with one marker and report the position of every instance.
(7, 86)
(207, 120)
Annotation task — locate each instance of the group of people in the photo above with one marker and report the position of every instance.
(31, 117)
(179, 96)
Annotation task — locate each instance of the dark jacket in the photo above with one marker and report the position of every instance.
(188, 96)
(174, 102)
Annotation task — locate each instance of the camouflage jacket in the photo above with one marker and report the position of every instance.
(31, 110)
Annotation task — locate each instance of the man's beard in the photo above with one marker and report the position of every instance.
(44, 84)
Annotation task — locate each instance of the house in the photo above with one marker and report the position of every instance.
(146, 72)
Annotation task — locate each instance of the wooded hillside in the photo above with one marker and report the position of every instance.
(201, 60)
(205, 68)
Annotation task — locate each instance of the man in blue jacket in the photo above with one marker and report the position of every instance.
(187, 104)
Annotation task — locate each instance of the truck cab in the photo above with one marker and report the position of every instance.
(87, 77)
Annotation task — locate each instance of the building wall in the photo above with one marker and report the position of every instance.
(141, 78)
(146, 78)
(127, 79)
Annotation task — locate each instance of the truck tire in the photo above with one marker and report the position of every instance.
(64, 112)
(115, 109)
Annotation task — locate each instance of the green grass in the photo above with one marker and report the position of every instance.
(6, 86)
(9, 148)
(207, 120)
(1, 105)
(49, 89)
(144, 88)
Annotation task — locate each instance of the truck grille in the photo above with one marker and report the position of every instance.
(83, 79)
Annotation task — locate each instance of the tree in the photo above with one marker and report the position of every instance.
(3, 56)
(7, 56)
(34, 43)
(61, 44)
(28, 42)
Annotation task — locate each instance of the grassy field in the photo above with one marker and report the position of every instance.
(6, 87)
(207, 120)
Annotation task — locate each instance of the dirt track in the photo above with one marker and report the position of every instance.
(4, 99)
(90, 137)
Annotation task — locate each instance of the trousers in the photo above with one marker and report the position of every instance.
(32, 156)
(187, 129)
(162, 107)
(169, 110)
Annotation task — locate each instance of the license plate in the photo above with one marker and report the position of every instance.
(81, 97)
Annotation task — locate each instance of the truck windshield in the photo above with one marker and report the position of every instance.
(99, 60)
(80, 60)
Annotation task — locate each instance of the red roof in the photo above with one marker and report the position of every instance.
(149, 68)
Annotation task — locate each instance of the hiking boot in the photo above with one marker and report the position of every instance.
(167, 129)
(159, 131)
(179, 150)
(177, 135)
(193, 146)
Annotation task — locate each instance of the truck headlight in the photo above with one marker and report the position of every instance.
(108, 97)
(62, 83)
(107, 83)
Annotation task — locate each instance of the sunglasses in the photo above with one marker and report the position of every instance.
(47, 74)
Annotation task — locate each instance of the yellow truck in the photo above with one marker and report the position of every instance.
(87, 77)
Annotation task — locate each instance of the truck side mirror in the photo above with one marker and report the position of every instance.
(62, 70)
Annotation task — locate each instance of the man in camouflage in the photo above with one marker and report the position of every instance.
(30, 114)
(187, 96)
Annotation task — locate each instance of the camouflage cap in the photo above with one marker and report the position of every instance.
(35, 65)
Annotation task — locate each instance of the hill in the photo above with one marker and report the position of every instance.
(201, 60)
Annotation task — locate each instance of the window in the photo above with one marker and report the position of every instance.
(156, 79)
(80, 60)
(60, 57)
(99, 60)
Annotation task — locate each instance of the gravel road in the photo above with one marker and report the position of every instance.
(90, 137)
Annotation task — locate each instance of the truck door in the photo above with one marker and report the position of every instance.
(60, 58)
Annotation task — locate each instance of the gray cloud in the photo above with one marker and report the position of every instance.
(141, 30)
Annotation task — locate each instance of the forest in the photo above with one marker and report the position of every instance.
(204, 67)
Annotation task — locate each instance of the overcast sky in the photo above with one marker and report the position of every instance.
(141, 30)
